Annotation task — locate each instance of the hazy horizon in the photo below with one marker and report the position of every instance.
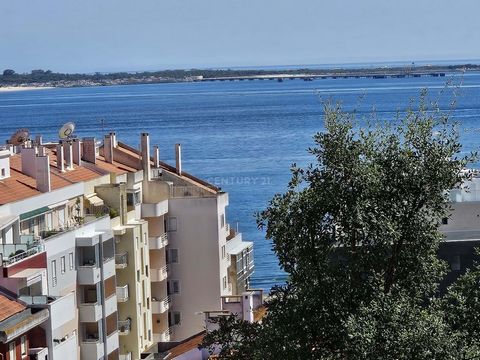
(122, 35)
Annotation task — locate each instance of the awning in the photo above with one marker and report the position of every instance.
(34, 213)
(95, 200)
(238, 248)
(7, 220)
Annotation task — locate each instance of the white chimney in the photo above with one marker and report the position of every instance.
(60, 164)
(5, 163)
(77, 152)
(89, 150)
(145, 147)
(156, 156)
(43, 173)
(113, 135)
(41, 151)
(108, 148)
(178, 158)
(67, 151)
(28, 161)
(38, 140)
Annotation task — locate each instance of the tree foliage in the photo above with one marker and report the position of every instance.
(357, 233)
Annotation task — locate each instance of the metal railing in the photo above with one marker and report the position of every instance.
(21, 251)
(121, 260)
(122, 293)
(124, 326)
(189, 191)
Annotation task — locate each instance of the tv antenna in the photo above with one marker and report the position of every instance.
(19, 137)
(66, 130)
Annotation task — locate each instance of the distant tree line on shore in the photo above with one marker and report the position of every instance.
(10, 77)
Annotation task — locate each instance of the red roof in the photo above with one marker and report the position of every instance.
(9, 307)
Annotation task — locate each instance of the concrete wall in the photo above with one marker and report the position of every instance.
(198, 270)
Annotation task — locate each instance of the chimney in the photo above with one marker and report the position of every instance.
(41, 151)
(145, 147)
(43, 173)
(89, 151)
(77, 152)
(28, 160)
(156, 156)
(4, 163)
(60, 165)
(67, 151)
(113, 135)
(108, 148)
(38, 140)
(178, 158)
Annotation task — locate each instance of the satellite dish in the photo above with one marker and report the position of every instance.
(66, 130)
(20, 136)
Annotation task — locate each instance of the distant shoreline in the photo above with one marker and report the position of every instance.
(40, 79)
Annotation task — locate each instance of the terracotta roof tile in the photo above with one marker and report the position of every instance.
(187, 345)
(9, 307)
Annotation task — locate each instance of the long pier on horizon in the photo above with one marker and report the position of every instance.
(339, 75)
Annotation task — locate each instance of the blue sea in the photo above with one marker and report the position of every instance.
(242, 136)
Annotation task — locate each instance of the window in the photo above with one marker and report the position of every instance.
(456, 264)
(145, 238)
(70, 260)
(3, 172)
(224, 280)
(172, 224)
(23, 345)
(223, 252)
(138, 275)
(62, 264)
(171, 256)
(54, 273)
(11, 351)
(129, 199)
(444, 221)
(134, 198)
(173, 287)
(174, 318)
(222, 220)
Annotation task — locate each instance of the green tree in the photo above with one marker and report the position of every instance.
(8, 72)
(357, 233)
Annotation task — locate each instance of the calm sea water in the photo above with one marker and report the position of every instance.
(242, 136)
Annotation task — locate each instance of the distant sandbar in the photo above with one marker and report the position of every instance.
(22, 88)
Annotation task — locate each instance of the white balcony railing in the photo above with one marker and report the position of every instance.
(122, 293)
(160, 306)
(127, 356)
(158, 242)
(159, 274)
(124, 326)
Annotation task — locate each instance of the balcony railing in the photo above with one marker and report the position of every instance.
(189, 191)
(124, 326)
(122, 293)
(159, 274)
(121, 260)
(160, 306)
(12, 253)
(158, 242)
(127, 356)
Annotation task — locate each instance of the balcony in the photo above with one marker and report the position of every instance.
(38, 353)
(88, 274)
(154, 210)
(124, 326)
(160, 306)
(112, 342)
(13, 253)
(122, 293)
(91, 348)
(69, 346)
(158, 242)
(23, 322)
(90, 312)
(121, 260)
(159, 274)
(108, 268)
(127, 356)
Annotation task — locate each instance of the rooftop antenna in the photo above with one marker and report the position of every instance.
(19, 137)
(66, 130)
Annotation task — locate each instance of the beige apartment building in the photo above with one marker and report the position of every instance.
(132, 249)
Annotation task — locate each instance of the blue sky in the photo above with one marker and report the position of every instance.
(131, 35)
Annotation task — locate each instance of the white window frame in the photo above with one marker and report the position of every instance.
(54, 272)
(71, 261)
(224, 282)
(63, 267)
(172, 223)
(23, 345)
